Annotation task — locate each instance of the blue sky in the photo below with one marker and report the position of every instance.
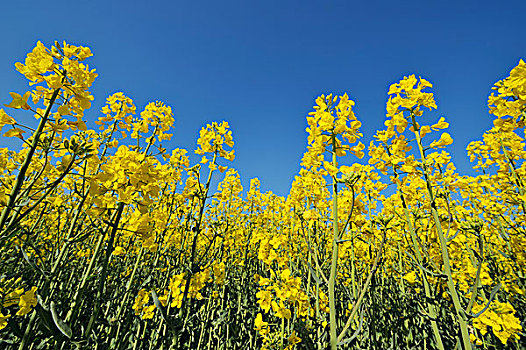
(260, 64)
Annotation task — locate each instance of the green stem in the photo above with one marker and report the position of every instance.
(104, 273)
(460, 315)
(23, 169)
(358, 302)
(427, 290)
(125, 297)
(334, 261)
(197, 229)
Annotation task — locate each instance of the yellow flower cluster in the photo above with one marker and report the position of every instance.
(97, 222)
(500, 317)
(11, 293)
(510, 99)
(212, 140)
(281, 294)
(331, 125)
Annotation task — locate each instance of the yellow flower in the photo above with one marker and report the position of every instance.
(119, 251)
(445, 139)
(331, 169)
(142, 298)
(19, 101)
(3, 320)
(294, 339)
(441, 124)
(260, 325)
(6, 119)
(14, 132)
(511, 97)
(280, 310)
(410, 277)
(264, 299)
(27, 302)
(148, 312)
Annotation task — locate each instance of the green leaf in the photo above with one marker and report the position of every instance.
(61, 325)
(45, 317)
(159, 306)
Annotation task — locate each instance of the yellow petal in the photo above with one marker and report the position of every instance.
(19, 101)
(6, 119)
(15, 132)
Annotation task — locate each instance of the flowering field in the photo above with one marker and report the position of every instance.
(110, 241)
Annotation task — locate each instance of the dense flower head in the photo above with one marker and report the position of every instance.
(334, 116)
(510, 99)
(333, 127)
(67, 79)
(159, 116)
(118, 109)
(212, 141)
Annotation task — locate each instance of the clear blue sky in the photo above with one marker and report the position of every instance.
(261, 64)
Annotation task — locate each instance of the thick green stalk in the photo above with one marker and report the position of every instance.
(460, 315)
(23, 169)
(309, 275)
(358, 302)
(334, 261)
(205, 321)
(50, 286)
(125, 298)
(77, 299)
(197, 230)
(104, 273)
(474, 291)
(282, 334)
(427, 290)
